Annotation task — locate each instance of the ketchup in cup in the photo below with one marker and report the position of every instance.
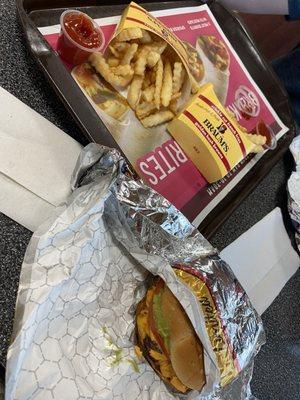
(79, 37)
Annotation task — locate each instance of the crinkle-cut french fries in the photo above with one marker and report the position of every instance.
(175, 96)
(159, 46)
(144, 109)
(152, 59)
(129, 54)
(146, 82)
(158, 83)
(129, 34)
(148, 94)
(121, 46)
(258, 140)
(146, 58)
(146, 38)
(114, 51)
(167, 85)
(152, 76)
(178, 76)
(122, 70)
(141, 62)
(160, 117)
(99, 63)
(150, 70)
(134, 91)
(113, 61)
(173, 106)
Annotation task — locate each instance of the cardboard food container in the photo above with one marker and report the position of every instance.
(137, 17)
(209, 135)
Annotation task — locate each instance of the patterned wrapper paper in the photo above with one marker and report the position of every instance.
(83, 274)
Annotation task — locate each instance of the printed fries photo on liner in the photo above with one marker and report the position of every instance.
(216, 51)
(100, 92)
(195, 62)
(216, 61)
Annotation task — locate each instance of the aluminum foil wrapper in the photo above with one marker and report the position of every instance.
(293, 187)
(83, 275)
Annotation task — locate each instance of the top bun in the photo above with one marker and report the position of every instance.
(186, 351)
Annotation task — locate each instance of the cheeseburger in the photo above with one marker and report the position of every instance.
(167, 340)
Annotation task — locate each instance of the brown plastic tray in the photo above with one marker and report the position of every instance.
(40, 13)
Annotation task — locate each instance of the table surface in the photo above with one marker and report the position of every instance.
(277, 367)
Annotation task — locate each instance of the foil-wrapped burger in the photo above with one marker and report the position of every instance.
(193, 323)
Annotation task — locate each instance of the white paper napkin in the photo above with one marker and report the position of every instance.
(263, 259)
(36, 163)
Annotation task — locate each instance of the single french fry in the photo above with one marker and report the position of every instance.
(129, 54)
(148, 94)
(152, 75)
(129, 34)
(146, 38)
(114, 52)
(144, 109)
(140, 66)
(178, 77)
(175, 96)
(113, 61)
(99, 63)
(158, 83)
(195, 86)
(158, 118)
(122, 70)
(159, 46)
(167, 84)
(146, 81)
(173, 106)
(134, 92)
(120, 46)
(152, 59)
(256, 139)
(141, 61)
